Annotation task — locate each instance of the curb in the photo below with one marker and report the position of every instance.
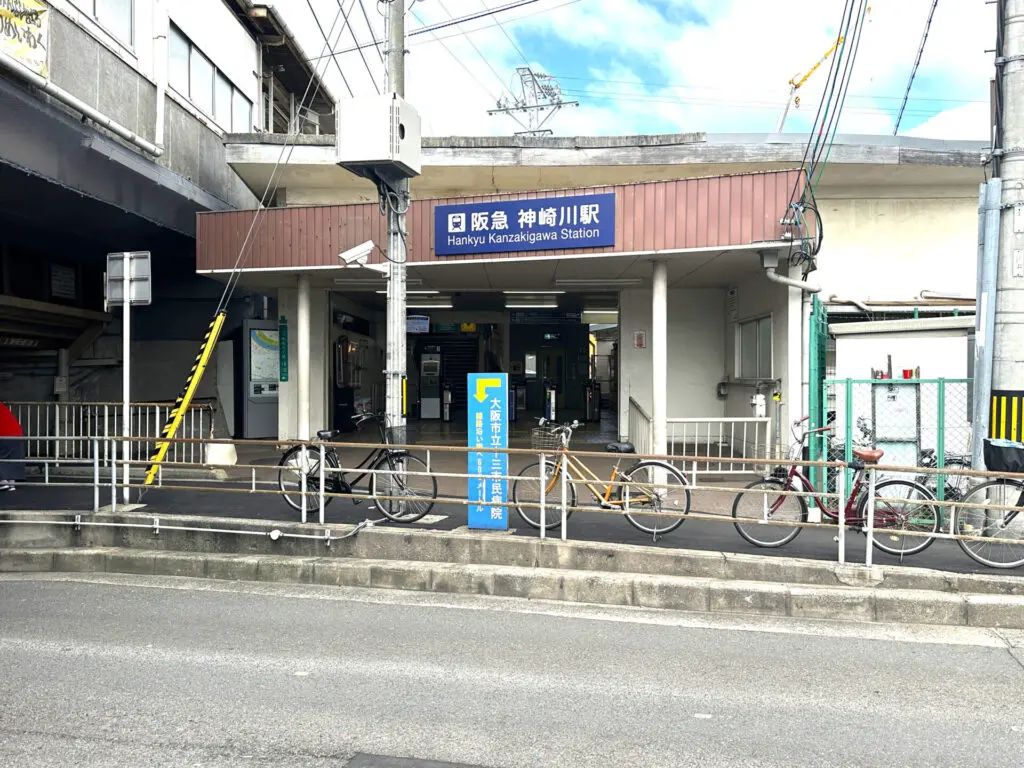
(677, 593)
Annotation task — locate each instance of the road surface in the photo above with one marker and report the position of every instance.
(111, 670)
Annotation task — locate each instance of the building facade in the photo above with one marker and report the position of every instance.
(112, 122)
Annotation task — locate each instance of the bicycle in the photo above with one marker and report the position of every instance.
(994, 520)
(402, 480)
(647, 482)
(918, 516)
(955, 486)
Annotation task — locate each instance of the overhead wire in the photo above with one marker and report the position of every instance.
(323, 34)
(480, 53)
(461, 63)
(273, 182)
(362, 55)
(917, 63)
(509, 37)
(369, 26)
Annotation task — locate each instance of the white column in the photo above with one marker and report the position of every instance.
(302, 353)
(659, 358)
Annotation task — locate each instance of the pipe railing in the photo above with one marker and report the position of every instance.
(555, 499)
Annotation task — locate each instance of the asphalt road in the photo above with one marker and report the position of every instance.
(267, 504)
(111, 671)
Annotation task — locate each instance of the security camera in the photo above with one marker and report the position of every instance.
(357, 255)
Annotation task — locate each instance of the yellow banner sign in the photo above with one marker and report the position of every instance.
(23, 32)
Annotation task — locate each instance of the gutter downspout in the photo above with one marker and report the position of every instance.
(20, 70)
(161, 29)
(770, 263)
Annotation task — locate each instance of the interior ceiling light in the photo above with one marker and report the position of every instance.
(531, 305)
(617, 282)
(438, 305)
(533, 293)
(415, 293)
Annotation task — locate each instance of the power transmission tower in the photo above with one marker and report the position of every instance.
(540, 97)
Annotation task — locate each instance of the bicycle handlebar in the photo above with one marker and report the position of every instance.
(574, 424)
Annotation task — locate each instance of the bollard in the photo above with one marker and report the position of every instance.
(303, 458)
(543, 494)
(321, 483)
(565, 488)
(95, 475)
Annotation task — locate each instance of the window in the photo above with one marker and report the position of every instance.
(241, 114)
(222, 101)
(754, 349)
(195, 77)
(116, 16)
(177, 67)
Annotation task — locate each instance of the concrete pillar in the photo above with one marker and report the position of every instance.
(659, 358)
(303, 350)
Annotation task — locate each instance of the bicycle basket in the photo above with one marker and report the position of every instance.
(1003, 456)
(542, 439)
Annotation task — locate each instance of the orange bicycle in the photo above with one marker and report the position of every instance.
(652, 494)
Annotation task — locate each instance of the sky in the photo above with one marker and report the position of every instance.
(668, 66)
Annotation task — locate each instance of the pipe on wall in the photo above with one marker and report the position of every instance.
(21, 71)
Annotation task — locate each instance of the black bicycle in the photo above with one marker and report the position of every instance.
(396, 482)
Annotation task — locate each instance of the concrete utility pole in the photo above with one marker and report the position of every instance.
(397, 204)
(1008, 337)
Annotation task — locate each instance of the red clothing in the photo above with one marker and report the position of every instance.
(9, 426)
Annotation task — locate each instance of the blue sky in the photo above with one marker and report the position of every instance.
(665, 66)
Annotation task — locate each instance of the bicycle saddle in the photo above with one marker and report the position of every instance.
(620, 448)
(868, 455)
(328, 434)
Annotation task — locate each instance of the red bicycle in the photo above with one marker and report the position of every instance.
(901, 506)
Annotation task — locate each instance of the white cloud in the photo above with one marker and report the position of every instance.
(970, 122)
(728, 75)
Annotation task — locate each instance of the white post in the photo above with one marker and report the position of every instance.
(543, 494)
(871, 517)
(841, 513)
(302, 353)
(126, 372)
(565, 493)
(322, 462)
(659, 359)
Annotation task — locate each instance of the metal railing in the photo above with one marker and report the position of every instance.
(68, 431)
(640, 427)
(993, 528)
(728, 443)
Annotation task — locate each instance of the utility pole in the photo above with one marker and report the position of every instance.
(397, 203)
(1008, 336)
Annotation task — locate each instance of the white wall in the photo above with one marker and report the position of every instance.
(893, 249)
(696, 358)
(940, 354)
(756, 298)
(138, 53)
(319, 363)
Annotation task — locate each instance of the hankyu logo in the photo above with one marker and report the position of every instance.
(456, 222)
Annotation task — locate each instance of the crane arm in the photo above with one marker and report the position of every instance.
(797, 83)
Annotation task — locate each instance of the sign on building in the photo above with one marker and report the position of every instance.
(488, 428)
(543, 224)
(24, 28)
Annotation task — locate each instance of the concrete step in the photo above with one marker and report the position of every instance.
(682, 593)
(136, 530)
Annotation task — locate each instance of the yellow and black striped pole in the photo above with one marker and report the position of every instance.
(1006, 419)
(184, 400)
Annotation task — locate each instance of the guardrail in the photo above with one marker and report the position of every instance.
(65, 431)
(987, 523)
(729, 443)
(640, 425)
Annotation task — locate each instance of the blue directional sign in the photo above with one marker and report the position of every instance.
(540, 224)
(488, 428)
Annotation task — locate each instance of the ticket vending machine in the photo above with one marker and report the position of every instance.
(261, 374)
(430, 383)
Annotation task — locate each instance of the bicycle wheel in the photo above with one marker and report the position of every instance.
(408, 491)
(909, 510)
(289, 477)
(760, 509)
(526, 495)
(1003, 525)
(659, 496)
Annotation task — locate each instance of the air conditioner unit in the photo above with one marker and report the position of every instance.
(378, 136)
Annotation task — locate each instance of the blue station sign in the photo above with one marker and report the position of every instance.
(488, 428)
(543, 224)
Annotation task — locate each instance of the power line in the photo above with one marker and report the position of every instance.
(508, 37)
(917, 63)
(480, 53)
(361, 54)
(369, 26)
(327, 40)
(431, 28)
(460, 62)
